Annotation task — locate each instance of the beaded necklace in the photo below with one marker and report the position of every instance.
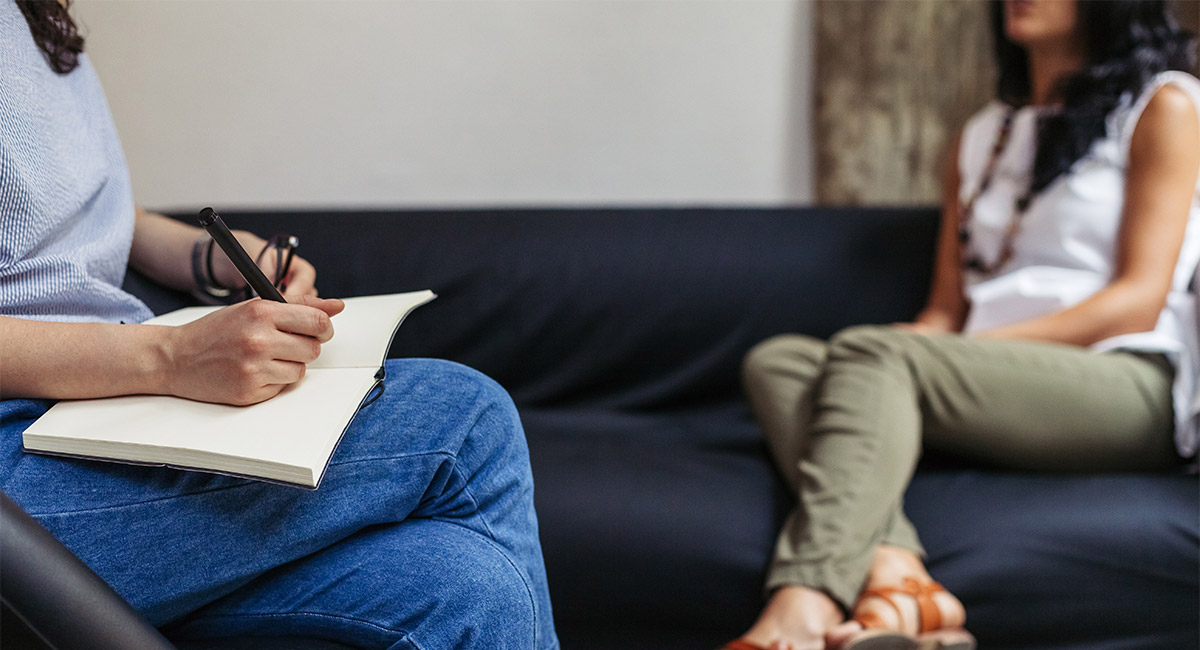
(974, 261)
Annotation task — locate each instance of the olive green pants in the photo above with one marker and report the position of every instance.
(846, 420)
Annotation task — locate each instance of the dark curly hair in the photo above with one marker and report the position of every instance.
(1128, 42)
(54, 32)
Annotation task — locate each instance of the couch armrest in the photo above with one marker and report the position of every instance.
(59, 597)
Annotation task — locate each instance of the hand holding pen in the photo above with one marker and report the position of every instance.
(250, 351)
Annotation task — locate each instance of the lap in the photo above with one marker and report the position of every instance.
(171, 541)
(1019, 404)
(1030, 405)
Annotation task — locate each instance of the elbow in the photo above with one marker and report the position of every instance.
(1143, 323)
(1142, 310)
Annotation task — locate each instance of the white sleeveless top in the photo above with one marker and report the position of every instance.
(1065, 250)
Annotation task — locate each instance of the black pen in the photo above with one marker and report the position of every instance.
(254, 276)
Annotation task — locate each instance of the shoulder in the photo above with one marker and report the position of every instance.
(1170, 100)
(1164, 148)
(1171, 118)
(1170, 104)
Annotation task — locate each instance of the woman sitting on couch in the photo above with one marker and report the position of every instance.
(1059, 334)
(423, 533)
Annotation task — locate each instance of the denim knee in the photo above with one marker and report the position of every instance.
(485, 601)
(501, 597)
(456, 396)
(460, 384)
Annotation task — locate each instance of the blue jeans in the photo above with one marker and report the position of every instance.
(422, 534)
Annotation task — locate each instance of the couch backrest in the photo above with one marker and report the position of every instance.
(619, 308)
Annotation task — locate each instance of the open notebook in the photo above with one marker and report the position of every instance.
(287, 439)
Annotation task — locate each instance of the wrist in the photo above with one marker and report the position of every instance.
(205, 285)
(158, 360)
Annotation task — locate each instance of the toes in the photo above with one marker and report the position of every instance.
(839, 635)
(898, 613)
(953, 614)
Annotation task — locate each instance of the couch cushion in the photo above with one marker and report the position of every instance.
(1096, 561)
(665, 523)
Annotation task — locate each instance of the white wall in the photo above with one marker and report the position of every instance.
(241, 103)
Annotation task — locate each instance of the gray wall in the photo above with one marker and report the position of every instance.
(241, 103)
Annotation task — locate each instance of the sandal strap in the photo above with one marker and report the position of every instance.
(928, 615)
(739, 644)
(873, 621)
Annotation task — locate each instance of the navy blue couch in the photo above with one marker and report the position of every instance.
(619, 334)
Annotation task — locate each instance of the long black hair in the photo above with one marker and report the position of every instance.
(54, 32)
(1127, 41)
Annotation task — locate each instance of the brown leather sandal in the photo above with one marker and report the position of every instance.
(930, 633)
(738, 644)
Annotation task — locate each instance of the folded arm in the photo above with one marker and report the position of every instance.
(1164, 161)
(162, 249)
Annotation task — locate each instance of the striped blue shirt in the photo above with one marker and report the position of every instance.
(66, 206)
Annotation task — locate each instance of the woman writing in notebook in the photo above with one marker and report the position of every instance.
(430, 486)
(1058, 335)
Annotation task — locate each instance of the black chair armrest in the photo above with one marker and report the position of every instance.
(59, 597)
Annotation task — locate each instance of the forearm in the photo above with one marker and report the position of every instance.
(80, 360)
(1115, 310)
(162, 249)
(945, 309)
(240, 354)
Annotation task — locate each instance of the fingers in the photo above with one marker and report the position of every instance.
(300, 349)
(331, 306)
(260, 394)
(303, 320)
(307, 317)
(248, 352)
(281, 373)
(916, 328)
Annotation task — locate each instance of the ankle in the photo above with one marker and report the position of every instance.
(796, 615)
(893, 564)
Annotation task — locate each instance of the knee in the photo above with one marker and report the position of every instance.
(493, 602)
(456, 404)
(503, 606)
(487, 424)
(866, 343)
(450, 387)
(770, 356)
(455, 587)
(454, 380)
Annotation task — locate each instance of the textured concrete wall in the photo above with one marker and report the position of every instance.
(895, 81)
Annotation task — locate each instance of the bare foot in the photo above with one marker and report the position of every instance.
(891, 567)
(796, 618)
